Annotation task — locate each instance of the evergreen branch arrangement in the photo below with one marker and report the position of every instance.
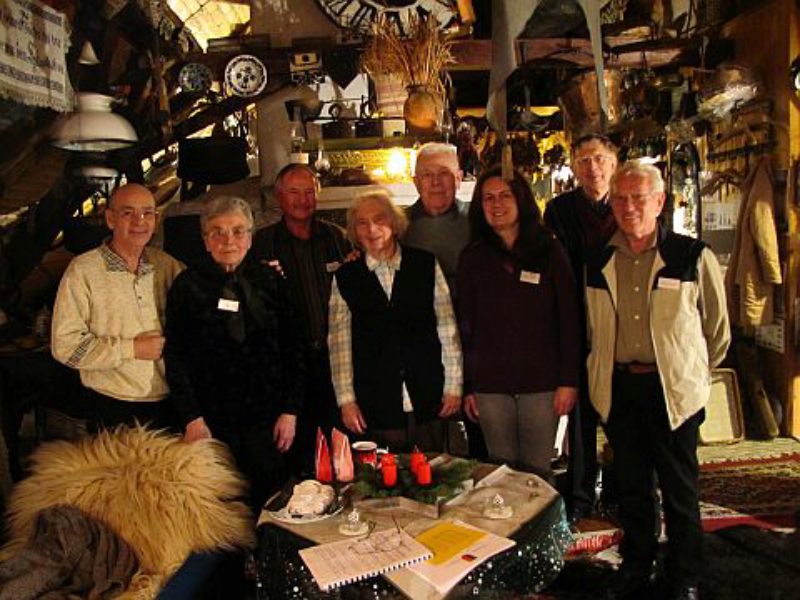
(447, 481)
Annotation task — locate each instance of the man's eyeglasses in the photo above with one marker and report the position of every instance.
(432, 175)
(128, 213)
(599, 160)
(237, 233)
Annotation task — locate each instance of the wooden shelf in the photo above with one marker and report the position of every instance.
(367, 143)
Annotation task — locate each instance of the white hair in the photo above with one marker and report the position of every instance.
(635, 168)
(383, 198)
(223, 205)
(436, 149)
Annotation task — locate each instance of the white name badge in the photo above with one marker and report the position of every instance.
(331, 267)
(667, 283)
(530, 277)
(228, 305)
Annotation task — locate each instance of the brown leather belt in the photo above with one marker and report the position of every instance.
(636, 368)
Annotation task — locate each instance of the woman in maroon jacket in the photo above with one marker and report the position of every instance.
(519, 324)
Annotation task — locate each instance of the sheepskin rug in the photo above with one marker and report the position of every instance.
(165, 497)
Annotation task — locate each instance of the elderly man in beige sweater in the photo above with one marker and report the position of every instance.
(108, 316)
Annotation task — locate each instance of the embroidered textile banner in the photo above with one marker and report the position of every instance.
(34, 40)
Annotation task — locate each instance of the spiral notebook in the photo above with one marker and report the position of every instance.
(345, 561)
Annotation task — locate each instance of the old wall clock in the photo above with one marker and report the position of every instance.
(359, 15)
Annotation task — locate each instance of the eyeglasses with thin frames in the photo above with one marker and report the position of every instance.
(599, 160)
(129, 213)
(637, 199)
(237, 233)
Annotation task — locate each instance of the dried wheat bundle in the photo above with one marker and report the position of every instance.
(418, 59)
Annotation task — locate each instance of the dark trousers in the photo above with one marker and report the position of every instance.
(582, 465)
(106, 412)
(475, 439)
(428, 436)
(319, 410)
(645, 447)
(256, 457)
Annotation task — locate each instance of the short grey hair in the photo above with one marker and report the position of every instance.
(635, 168)
(382, 198)
(604, 141)
(223, 205)
(435, 149)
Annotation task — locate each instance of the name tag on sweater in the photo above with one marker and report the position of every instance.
(530, 277)
(228, 305)
(667, 283)
(332, 267)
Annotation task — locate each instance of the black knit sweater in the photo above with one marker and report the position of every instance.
(240, 369)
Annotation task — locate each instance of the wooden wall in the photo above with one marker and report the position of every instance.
(767, 39)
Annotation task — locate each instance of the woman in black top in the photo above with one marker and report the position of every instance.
(232, 355)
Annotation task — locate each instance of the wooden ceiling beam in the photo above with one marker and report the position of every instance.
(476, 55)
(213, 114)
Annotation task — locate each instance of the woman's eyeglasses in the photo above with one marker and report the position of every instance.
(237, 233)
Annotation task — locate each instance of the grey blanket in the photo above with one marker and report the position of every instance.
(69, 555)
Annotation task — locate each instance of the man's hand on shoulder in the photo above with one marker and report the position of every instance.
(275, 265)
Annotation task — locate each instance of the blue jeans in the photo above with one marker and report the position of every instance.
(520, 429)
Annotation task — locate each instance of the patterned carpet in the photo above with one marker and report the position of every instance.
(761, 491)
(747, 449)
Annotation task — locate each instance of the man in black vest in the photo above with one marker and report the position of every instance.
(307, 251)
(394, 346)
(657, 324)
(583, 223)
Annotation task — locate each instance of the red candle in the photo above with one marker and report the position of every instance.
(417, 458)
(388, 459)
(389, 474)
(424, 473)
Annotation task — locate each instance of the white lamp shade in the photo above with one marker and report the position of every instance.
(94, 172)
(93, 128)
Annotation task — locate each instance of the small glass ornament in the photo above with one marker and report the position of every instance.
(353, 525)
(498, 509)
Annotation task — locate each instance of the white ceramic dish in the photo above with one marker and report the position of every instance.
(284, 516)
(245, 76)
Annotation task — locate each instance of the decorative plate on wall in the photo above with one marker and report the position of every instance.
(246, 76)
(794, 75)
(195, 78)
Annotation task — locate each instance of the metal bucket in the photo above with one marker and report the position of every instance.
(581, 105)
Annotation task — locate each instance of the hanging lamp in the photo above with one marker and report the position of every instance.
(93, 127)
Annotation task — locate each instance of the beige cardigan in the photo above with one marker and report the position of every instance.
(755, 267)
(100, 308)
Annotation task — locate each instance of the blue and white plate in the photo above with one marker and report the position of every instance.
(195, 78)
